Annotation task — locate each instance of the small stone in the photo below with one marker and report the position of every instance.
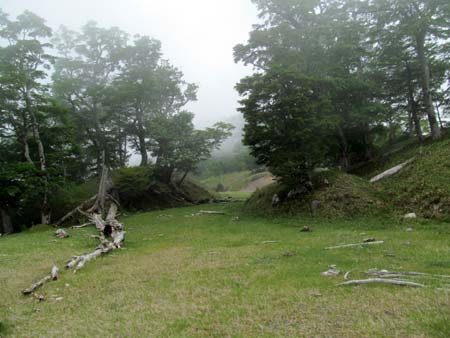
(331, 272)
(59, 299)
(60, 233)
(411, 215)
(409, 229)
(305, 229)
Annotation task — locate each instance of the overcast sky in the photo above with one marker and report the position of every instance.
(197, 36)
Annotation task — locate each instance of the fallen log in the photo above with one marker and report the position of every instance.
(111, 232)
(353, 245)
(210, 212)
(394, 274)
(52, 276)
(107, 228)
(391, 171)
(382, 280)
(82, 225)
(82, 206)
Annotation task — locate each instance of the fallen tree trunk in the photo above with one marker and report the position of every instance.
(353, 245)
(82, 206)
(111, 231)
(109, 228)
(382, 280)
(391, 171)
(52, 276)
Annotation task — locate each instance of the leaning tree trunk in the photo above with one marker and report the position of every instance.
(425, 82)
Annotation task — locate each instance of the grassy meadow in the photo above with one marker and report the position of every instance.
(232, 275)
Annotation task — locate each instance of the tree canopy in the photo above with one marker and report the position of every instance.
(336, 79)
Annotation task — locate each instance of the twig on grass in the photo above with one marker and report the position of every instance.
(353, 245)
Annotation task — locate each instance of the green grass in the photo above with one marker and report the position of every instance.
(233, 181)
(210, 276)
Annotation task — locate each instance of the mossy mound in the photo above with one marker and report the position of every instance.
(334, 194)
(348, 196)
(137, 189)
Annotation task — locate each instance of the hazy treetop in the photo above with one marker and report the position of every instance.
(198, 36)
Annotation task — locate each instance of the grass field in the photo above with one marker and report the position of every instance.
(212, 276)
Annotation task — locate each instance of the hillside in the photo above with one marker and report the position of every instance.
(422, 187)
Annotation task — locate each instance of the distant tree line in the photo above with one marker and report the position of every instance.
(337, 79)
(72, 100)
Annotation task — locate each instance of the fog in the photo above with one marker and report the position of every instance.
(197, 36)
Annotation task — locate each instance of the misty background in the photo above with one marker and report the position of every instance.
(197, 36)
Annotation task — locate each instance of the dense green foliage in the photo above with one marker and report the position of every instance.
(335, 79)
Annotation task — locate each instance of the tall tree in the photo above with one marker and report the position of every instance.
(24, 62)
(84, 72)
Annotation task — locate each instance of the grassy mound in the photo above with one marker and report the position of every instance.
(342, 195)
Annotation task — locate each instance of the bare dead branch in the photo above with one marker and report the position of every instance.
(353, 245)
(382, 280)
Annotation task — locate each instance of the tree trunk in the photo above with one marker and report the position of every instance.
(344, 151)
(141, 137)
(180, 182)
(413, 104)
(26, 148)
(6, 225)
(45, 207)
(425, 82)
